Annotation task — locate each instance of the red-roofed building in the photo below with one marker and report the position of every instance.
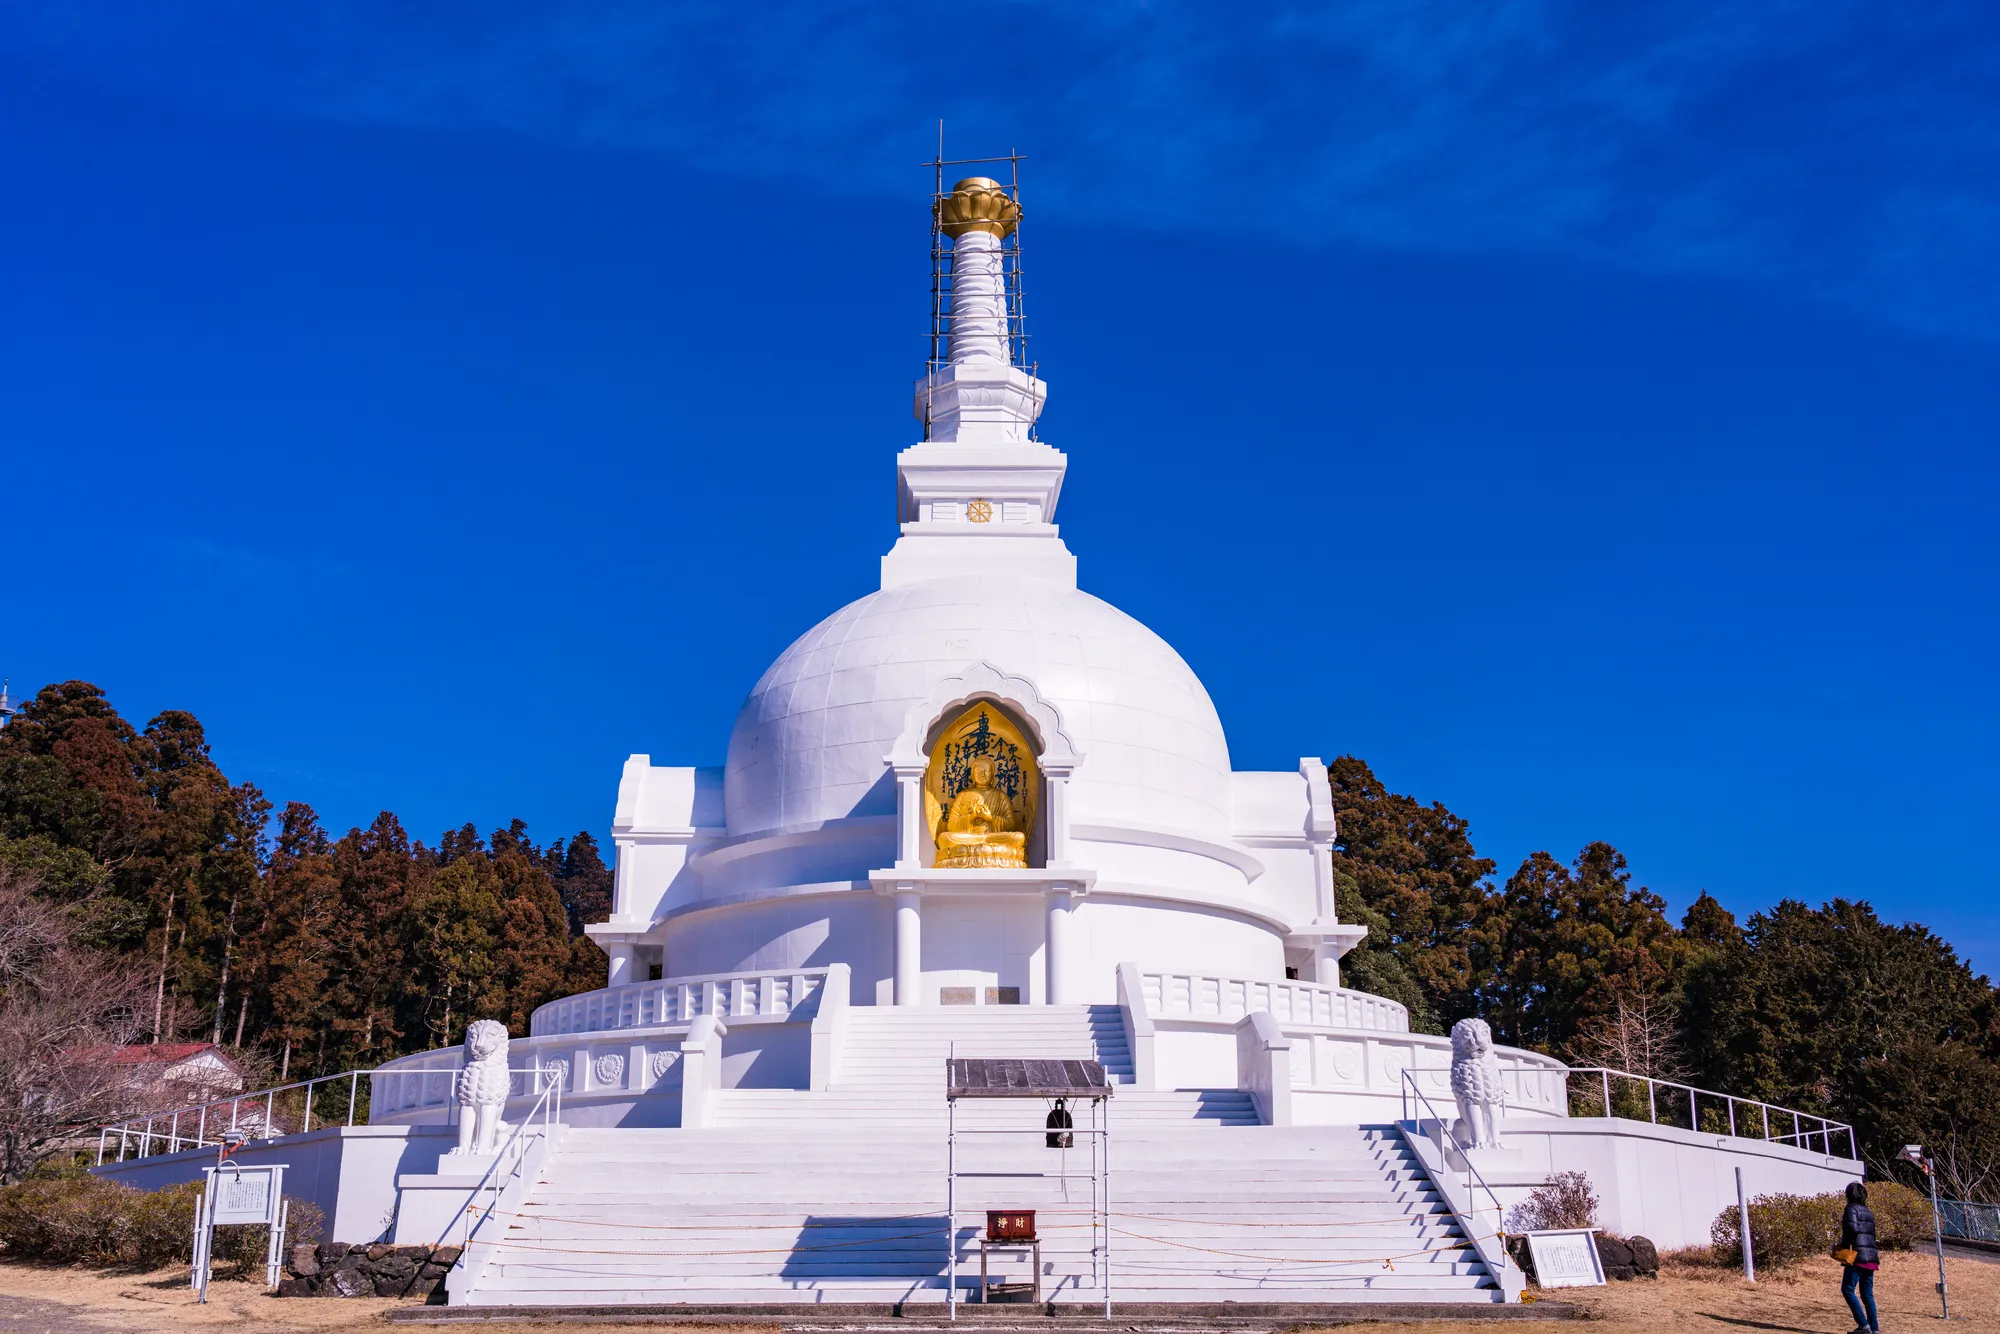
(180, 1071)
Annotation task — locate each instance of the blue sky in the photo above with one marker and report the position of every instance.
(1585, 413)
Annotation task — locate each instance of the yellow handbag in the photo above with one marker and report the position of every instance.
(1844, 1254)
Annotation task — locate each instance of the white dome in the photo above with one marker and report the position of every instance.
(811, 743)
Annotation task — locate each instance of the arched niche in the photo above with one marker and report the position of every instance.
(1038, 722)
(995, 823)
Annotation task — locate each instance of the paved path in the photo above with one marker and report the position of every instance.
(23, 1315)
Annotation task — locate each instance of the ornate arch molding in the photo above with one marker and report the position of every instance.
(982, 680)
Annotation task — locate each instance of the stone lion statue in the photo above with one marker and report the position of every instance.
(1475, 1084)
(482, 1086)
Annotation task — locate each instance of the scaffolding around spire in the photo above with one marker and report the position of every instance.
(977, 308)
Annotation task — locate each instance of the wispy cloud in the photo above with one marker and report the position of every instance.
(1844, 149)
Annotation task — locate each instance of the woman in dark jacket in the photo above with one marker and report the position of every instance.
(1859, 1259)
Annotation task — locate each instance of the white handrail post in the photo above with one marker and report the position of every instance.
(201, 1129)
(269, 1127)
(1652, 1103)
(174, 1134)
(353, 1092)
(1606, 1074)
(101, 1133)
(1743, 1226)
(309, 1108)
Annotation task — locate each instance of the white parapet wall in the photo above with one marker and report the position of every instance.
(350, 1172)
(1661, 1182)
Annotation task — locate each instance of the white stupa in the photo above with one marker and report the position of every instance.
(978, 813)
(814, 842)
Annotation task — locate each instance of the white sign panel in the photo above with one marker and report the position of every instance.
(1566, 1259)
(247, 1195)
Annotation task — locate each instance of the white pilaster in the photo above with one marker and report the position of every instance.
(909, 817)
(909, 945)
(1056, 811)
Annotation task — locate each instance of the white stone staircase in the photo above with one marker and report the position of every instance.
(838, 1196)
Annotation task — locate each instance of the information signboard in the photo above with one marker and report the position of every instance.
(247, 1195)
(239, 1196)
(1567, 1258)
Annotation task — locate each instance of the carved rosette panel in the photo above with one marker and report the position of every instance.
(663, 1061)
(1346, 1063)
(608, 1070)
(558, 1073)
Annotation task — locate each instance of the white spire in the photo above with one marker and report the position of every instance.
(981, 397)
(979, 496)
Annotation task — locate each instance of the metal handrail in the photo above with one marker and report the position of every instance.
(1800, 1136)
(1464, 1150)
(142, 1128)
(549, 1104)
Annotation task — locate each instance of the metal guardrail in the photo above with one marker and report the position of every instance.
(1969, 1221)
(163, 1132)
(1801, 1129)
(1444, 1125)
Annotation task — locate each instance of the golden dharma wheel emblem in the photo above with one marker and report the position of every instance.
(979, 511)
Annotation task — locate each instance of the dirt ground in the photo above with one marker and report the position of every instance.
(1803, 1300)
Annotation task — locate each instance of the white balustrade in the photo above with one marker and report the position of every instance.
(1174, 995)
(679, 1000)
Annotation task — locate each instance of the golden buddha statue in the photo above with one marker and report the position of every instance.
(981, 828)
(975, 820)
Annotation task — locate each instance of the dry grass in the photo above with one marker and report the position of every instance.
(85, 1301)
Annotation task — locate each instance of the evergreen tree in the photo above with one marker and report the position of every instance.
(1414, 866)
(1838, 1013)
(1559, 945)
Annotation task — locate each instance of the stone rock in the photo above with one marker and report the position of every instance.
(430, 1273)
(303, 1261)
(1517, 1248)
(379, 1250)
(398, 1267)
(295, 1287)
(349, 1283)
(1615, 1254)
(329, 1253)
(422, 1286)
(1645, 1257)
(447, 1255)
(391, 1287)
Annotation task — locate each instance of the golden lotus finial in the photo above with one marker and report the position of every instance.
(977, 204)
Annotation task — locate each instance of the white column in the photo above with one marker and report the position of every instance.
(1326, 967)
(622, 969)
(909, 945)
(909, 818)
(978, 300)
(1055, 956)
